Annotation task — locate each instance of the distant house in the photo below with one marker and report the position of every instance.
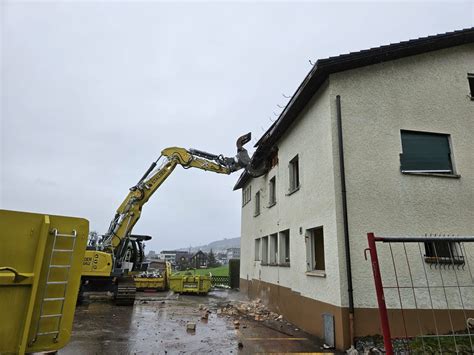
(221, 257)
(174, 256)
(380, 141)
(199, 260)
(233, 253)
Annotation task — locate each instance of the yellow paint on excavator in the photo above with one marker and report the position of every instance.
(97, 263)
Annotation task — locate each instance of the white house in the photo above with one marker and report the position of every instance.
(406, 142)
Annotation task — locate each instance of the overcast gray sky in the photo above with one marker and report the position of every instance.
(91, 92)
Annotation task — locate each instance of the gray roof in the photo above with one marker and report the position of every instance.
(324, 67)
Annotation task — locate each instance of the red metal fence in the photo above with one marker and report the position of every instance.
(424, 288)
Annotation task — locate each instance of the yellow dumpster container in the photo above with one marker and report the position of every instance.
(199, 284)
(150, 283)
(40, 271)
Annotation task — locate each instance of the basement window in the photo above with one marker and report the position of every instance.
(272, 192)
(444, 252)
(315, 250)
(265, 250)
(257, 204)
(425, 153)
(294, 172)
(470, 79)
(285, 248)
(257, 249)
(273, 249)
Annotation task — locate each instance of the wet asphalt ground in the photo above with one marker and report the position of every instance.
(157, 324)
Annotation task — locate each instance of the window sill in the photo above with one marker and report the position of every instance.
(316, 273)
(291, 192)
(456, 260)
(275, 264)
(450, 176)
(271, 204)
(256, 214)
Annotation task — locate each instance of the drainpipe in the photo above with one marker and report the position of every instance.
(346, 222)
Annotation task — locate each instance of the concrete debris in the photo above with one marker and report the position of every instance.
(255, 310)
(236, 324)
(190, 326)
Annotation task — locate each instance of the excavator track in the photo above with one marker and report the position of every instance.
(125, 292)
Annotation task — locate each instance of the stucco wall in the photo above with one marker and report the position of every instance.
(312, 206)
(426, 92)
(423, 93)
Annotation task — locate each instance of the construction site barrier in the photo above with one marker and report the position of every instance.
(424, 287)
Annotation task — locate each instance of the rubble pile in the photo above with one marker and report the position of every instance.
(255, 310)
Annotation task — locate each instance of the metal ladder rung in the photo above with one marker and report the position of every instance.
(46, 333)
(59, 266)
(63, 250)
(56, 283)
(51, 315)
(66, 235)
(53, 299)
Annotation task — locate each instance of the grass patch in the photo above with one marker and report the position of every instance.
(432, 346)
(222, 270)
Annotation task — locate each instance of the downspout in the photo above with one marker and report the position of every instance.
(346, 222)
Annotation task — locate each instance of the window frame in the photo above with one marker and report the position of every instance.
(257, 206)
(272, 192)
(258, 249)
(431, 172)
(284, 248)
(293, 187)
(246, 195)
(273, 249)
(264, 250)
(435, 253)
(313, 268)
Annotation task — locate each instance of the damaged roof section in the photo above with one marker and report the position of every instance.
(324, 67)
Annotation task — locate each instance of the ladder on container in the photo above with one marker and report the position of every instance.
(44, 298)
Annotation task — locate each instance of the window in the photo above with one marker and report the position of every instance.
(246, 195)
(294, 174)
(272, 191)
(443, 252)
(257, 249)
(257, 204)
(470, 79)
(285, 247)
(265, 250)
(273, 249)
(425, 153)
(315, 249)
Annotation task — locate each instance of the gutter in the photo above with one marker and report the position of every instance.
(345, 219)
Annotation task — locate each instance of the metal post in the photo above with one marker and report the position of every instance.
(380, 295)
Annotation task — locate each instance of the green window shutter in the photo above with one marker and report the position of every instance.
(425, 152)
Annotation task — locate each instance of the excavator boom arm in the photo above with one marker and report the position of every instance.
(129, 211)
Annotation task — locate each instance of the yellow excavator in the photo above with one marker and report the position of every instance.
(110, 263)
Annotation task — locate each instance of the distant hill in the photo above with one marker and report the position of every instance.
(217, 246)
